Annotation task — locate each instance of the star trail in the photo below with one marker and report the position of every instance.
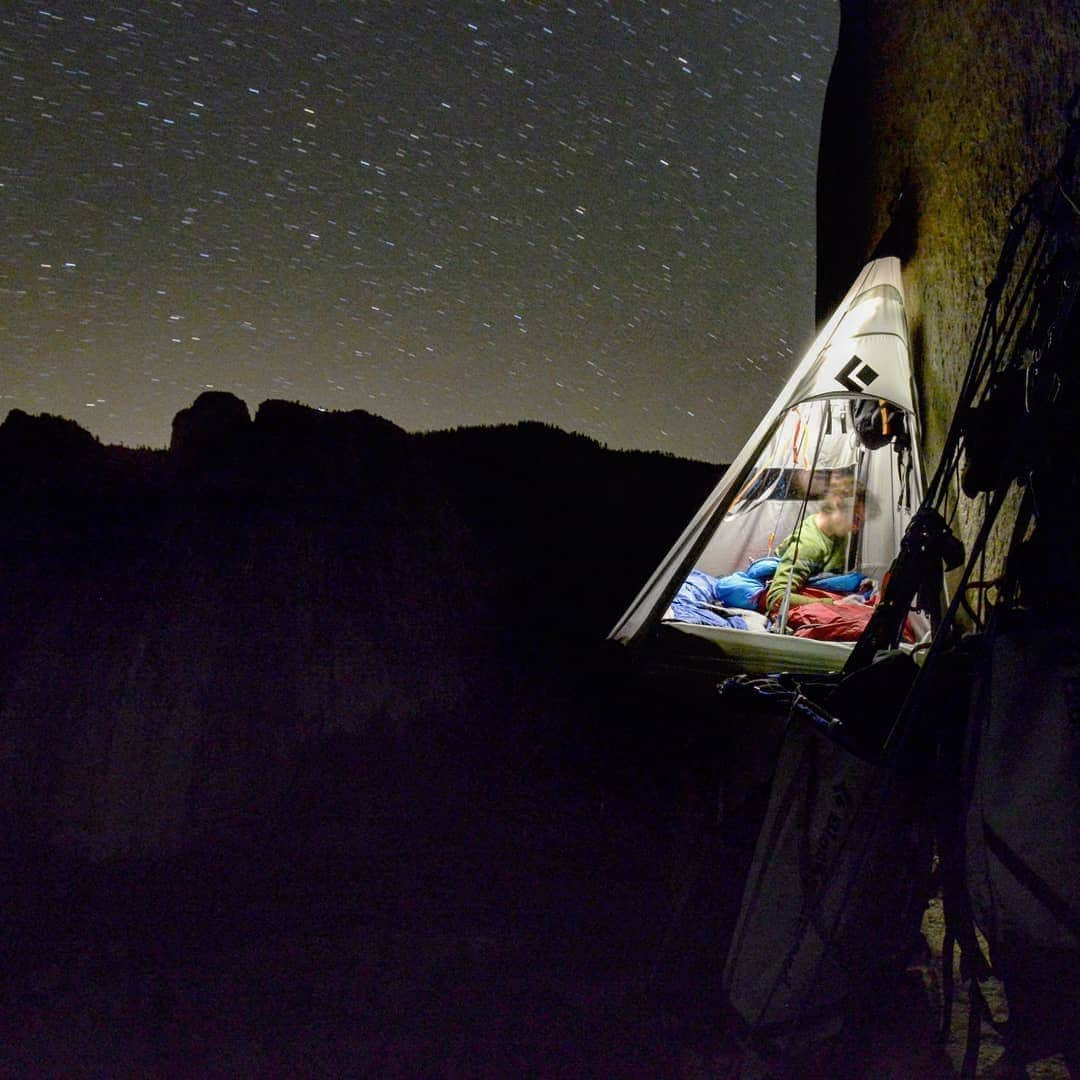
(598, 215)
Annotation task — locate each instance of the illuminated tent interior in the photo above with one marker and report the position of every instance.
(846, 416)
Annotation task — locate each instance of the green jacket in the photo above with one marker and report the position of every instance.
(818, 554)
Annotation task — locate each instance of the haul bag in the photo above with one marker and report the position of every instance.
(835, 893)
(1023, 815)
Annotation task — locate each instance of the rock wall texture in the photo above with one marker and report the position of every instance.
(938, 116)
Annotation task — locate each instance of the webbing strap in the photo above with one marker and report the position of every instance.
(976, 1008)
(1057, 905)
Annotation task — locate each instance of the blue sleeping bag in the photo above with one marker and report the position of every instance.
(838, 583)
(699, 590)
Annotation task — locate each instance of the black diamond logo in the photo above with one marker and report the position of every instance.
(865, 375)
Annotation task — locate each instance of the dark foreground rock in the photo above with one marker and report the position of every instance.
(312, 761)
(301, 765)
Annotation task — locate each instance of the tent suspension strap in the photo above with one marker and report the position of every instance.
(782, 622)
(801, 445)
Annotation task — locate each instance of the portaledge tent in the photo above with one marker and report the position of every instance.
(806, 439)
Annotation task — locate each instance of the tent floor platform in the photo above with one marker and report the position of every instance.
(761, 652)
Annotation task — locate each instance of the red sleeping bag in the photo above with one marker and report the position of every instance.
(834, 622)
(829, 622)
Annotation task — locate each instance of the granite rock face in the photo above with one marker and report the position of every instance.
(938, 116)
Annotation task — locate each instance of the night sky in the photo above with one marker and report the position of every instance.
(598, 215)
